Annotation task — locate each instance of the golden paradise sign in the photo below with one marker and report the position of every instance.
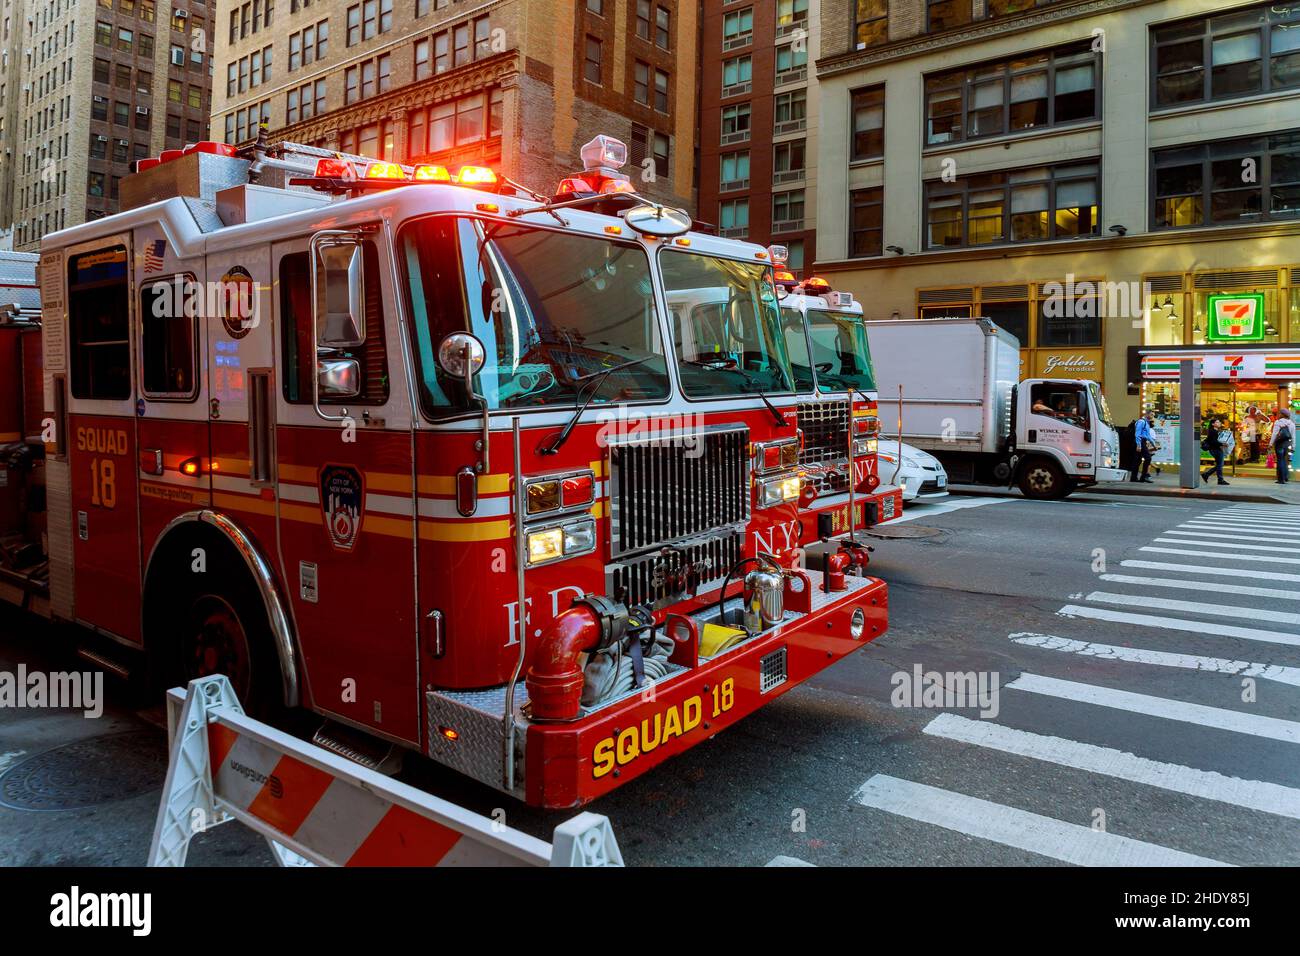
(1066, 363)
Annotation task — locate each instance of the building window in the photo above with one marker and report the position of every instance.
(643, 19)
(791, 111)
(866, 217)
(423, 67)
(870, 23)
(737, 28)
(482, 38)
(661, 91)
(641, 83)
(662, 147)
(791, 63)
(733, 217)
(1227, 182)
(737, 73)
(791, 14)
(597, 7)
(735, 123)
(461, 37)
(1023, 205)
(591, 65)
(442, 53)
(351, 84)
(1013, 96)
(735, 171)
(868, 107)
(384, 65)
(787, 211)
(295, 51)
(662, 28)
(789, 161)
(1255, 50)
(946, 14)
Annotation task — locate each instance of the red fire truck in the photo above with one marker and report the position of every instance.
(426, 453)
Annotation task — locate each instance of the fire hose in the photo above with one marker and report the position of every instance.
(628, 663)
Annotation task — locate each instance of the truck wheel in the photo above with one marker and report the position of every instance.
(1042, 480)
(221, 628)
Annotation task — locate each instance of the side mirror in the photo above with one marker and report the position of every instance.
(461, 355)
(340, 294)
(1087, 435)
(338, 378)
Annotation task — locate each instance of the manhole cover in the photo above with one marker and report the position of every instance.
(902, 531)
(86, 773)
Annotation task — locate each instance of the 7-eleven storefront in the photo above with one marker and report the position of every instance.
(1244, 385)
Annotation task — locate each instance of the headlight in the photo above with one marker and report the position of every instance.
(775, 491)
(911, 462)
(561, 541)
(857, 624)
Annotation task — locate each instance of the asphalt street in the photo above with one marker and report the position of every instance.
(1143, 662)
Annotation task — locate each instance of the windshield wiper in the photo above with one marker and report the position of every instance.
(556, 443)
(718, 365)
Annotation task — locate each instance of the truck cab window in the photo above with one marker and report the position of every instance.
(168, 336)
(840, 352)
(298, 349)
(551, 309)
(796, 346)
(1065, 403)
(728, 336)
(99, 325)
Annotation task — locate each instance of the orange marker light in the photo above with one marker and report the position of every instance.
(384, 171)
(191, 467)
(476, 176)
(487, 207)
(449, 733)
(614, 230)
(428, 173)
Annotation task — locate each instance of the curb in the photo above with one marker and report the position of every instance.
(1248, 498)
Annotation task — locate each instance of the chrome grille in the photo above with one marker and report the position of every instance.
(668, 488)
(825, 427)
(667, 576)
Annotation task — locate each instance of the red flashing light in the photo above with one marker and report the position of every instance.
(816, 285)
(578, 490)
(573, 187)
(428, 173)
(335, 169)
(784, 276)
(385, 171)
(771, 456)
(617, 186)
(476, 176)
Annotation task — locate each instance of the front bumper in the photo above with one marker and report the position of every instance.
(1111, 474)
(888, 500)
(569, 764)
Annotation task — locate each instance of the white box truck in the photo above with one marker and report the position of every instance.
(962, 401)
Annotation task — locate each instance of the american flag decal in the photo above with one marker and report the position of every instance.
(153, 255)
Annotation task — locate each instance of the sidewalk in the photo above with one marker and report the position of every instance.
(1259, 490)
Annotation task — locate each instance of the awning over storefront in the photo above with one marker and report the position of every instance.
(1278, 364)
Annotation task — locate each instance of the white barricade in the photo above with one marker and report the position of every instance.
(317, 808)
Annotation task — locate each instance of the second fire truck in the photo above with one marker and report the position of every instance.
(431, 455)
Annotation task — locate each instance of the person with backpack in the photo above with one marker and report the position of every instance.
(1283, 443)
(1217, 442)
(1145, 440)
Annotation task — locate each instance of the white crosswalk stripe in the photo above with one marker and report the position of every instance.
(1191, 607)
(1217, 571)
(1224, 534)
(1138, 655)
(1229, 557)
(1230, 545)
(1017, 828)
(1206, 784)
(918, 510)
(1202, 586)
(1218, 718)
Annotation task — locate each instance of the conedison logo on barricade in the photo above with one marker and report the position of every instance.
(949, 689)
(76, 909)
(83, 691)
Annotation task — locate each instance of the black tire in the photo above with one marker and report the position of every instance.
(215, 622)
(1043, 480)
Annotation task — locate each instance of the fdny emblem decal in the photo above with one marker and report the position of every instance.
(341, 497)
(238, 302)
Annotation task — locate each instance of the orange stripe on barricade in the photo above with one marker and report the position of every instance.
(403, 838)
(220, 740)
(286, 799)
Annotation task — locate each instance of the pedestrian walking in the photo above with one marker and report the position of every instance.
(1145, 439)
(1283, 444)
(1250, 436)
(1217, 441)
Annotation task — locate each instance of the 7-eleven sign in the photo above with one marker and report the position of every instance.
(1236, 318)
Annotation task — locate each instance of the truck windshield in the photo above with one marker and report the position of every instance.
(796, 346)
(726, 328)
(1098, 399)
(840, 354)
(549, 307)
